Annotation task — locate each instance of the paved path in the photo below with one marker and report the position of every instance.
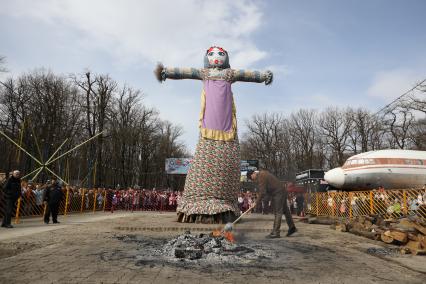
(89, 248)
(33, 225)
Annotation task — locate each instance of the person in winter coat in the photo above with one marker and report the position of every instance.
(270, 185)
(12, 192)
(52, 198)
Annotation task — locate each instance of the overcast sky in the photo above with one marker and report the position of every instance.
(322, 53)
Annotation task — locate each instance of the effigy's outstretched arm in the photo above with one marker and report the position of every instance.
(162, 73)
(253, 76)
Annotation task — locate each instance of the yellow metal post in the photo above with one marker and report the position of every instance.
(94, 201)
(404, 195)
(18, 210)
(44, 209)
(82, 201)
(350, 205)
(317, 202)
(66, 202)
(371, 203)
(105, 193)
(94, 173)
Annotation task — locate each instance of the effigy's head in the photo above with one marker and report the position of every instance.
(216, 57)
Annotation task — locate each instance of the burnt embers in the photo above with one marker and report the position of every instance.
(192, 247)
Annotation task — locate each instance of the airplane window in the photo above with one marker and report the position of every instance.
(361, 161)
(408, 162)
(420, 162)
(371, 161)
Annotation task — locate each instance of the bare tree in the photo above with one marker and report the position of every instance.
(417, 134)
(415, 101)
(365, 127)
(304, 131)
(98, 91)
(267, 139)
(398, 121)
(335, 126)
(40, 110)
(2, 63)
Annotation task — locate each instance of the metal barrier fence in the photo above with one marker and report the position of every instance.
(389, 203)
(31, 204)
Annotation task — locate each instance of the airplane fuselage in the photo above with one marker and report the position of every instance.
(392, 169)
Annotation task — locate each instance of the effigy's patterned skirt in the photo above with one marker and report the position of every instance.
(213, 180)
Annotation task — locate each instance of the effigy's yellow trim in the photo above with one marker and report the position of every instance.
(215, 134)
(203, 108)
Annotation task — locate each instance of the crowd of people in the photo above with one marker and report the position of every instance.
(142, 199)
(51, 198)
(391, 204)
(296, 203)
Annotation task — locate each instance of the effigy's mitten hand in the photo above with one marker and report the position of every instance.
(160, 72)
(269, 77)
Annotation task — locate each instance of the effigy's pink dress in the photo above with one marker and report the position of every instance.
(213, 180)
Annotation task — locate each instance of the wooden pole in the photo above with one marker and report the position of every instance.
(57, 150)
(317, 202)
(18, 158)
(23, 150)
(18, 210)
(105, 194)
(404, 196)
(66, 202)
(82, 201)
(94, 200)
(79, 145)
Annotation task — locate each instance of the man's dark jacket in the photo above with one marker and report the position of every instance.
(12, 188)
(269, 185)
(53, 194)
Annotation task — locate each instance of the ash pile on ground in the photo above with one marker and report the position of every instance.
(204, 247)
(191, 251)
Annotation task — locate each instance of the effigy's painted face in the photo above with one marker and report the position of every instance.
(217, 57)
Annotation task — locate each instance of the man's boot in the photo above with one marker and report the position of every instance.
(291, 231)
(276, 229)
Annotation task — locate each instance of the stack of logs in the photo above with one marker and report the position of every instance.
(407, 232)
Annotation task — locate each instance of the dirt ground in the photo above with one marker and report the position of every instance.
(108, 248)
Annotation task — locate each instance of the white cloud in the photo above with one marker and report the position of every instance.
(391, 84)
(279, 70)
(175, 32)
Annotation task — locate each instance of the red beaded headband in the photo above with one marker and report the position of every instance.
(220, 48)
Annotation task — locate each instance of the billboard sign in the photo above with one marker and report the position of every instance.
(180, 166)
(249, 165)
(177, 166)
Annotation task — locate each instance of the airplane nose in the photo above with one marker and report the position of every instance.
(335, 177)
